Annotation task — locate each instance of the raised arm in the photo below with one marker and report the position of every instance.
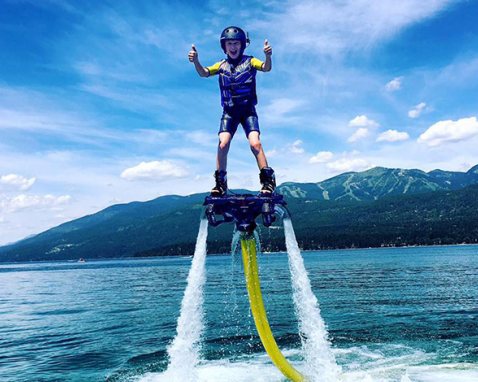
(268, 52)
(193, 57)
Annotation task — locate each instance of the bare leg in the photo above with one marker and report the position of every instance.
(222, 150)
(256, 148)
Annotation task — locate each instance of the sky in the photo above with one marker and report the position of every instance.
(99, 104)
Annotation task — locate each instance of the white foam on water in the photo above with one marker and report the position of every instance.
(404, 373)
(444, 373)
(385, 358)
(221, 371)
(399, 363)
(374, 363)
(320, 363)
(184, 350)
(259, 368)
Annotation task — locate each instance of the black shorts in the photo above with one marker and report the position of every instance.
(246, 116)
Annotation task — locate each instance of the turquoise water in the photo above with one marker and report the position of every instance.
(399, 314)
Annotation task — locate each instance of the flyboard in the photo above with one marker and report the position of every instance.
(243, 210)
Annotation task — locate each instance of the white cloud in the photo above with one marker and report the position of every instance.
(459, 73)
(152, 136)
(334, 27)
(417, 110)
(93, 69)
(281, 110)
(296, 147)
(24, 201)
(203, 138)
(17, 182)
(349, 164)
(132, 99)
(34, 112)
(450, 131)
(155, 170)
(393, 136)
(285, 105)
(271, 153)
(191, 153)
(321, 157)
(362, 121)
(394, 84)
(361, 133)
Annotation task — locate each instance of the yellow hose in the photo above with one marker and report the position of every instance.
(251, 272)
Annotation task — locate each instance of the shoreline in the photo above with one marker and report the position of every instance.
(99, 259)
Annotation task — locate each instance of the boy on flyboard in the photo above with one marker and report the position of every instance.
(237, 82)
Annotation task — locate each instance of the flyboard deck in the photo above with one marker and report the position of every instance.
(243, 209)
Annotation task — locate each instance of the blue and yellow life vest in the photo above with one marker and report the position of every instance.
(237, 82)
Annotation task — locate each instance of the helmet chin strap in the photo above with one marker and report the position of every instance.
(235, 61)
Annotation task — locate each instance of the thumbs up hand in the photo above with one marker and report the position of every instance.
(267, 48)
(193, 54)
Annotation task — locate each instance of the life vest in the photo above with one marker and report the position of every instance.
(238, 83)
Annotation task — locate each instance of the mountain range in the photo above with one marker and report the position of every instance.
(377, 207)
(379, 182)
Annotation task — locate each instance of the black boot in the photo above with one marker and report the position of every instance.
(220, 188)
(268, 181)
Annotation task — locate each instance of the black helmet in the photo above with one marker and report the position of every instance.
(234, 33)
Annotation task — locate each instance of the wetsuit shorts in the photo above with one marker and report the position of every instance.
(244, 115)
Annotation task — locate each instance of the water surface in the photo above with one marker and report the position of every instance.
(394, 314)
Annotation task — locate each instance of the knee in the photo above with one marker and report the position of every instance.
(256, 146)
(223, 146)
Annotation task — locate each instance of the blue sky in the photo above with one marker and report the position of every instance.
(99, 104)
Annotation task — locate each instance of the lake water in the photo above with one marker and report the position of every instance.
(393, 314)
